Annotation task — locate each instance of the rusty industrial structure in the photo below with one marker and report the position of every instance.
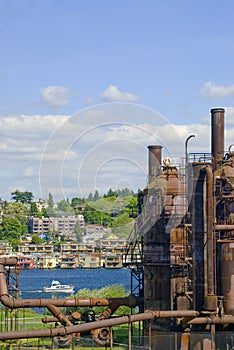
(181, 256)
(183, 249)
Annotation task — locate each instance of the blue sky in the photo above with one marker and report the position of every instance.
(59, 58)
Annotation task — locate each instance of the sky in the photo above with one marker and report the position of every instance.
(86, 86)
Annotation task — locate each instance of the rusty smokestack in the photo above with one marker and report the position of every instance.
(155, 161)
(217, 135)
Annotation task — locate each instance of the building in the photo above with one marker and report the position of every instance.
(72, 248)
(41, 204)
(91, 261)
(68, 261)
(27, 248)
(112, 244)
(47, 262)
(25, 262)
(5, 248)
(63, 226)
(112, 261)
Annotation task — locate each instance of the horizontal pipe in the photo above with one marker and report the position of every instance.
(8, 261)
(212, 320)
(63, 331)
(50, 319)
(224, 227)
(68, 302)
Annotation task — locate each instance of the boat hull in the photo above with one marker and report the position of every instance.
(58, 290)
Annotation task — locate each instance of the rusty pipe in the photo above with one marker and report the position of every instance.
(212, 320)
(106, 314)
(8, 261)
(217, 135)
(95, 336)
(57, 313)
(155, 161)
(224, 227)
(115, 304)
(211, 268)
(63, 331)
(49, 319)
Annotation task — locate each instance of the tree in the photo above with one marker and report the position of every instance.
(50, 201)
(96, 195)
(23, 197)
(44, 212)
(78, 231)
(11, 230)
(27, 197)
(37, 240)
(111, 193)
(122, 225)
(65, 206)
(90, 197)
(75, 201)
(33, 210)
(17, 210)
(17, 196)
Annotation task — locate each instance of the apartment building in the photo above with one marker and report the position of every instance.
(60, 225)
(27, 248)
(112, 244)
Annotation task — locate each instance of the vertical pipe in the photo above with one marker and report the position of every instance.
(198, 229)
(111, 338)
(186, 148)
(217, 135)
(129, 336)
(150, 337)
(155, 161)
(210, 233)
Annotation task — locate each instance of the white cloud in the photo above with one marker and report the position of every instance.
(29, 171)
(112, 93)
(56, 96)
(99, 147)
(214, 91)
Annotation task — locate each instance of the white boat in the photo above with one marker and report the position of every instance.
(57, 287)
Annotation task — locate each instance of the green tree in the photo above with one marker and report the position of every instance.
(130, 203)
(33, 210)
(96, 195)
(111, 193)
(64, 206)
(78, 231)
(17, 196)
(11, 230)
(75, 201)
(90, 197)
(37, 240)
(122, 225)
(44, 212)
(17, 210)
(50, 201)
(23, 197)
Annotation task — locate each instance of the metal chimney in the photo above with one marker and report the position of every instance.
(155, 161)
(217, 135)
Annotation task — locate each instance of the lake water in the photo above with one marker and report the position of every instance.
(32, 282)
